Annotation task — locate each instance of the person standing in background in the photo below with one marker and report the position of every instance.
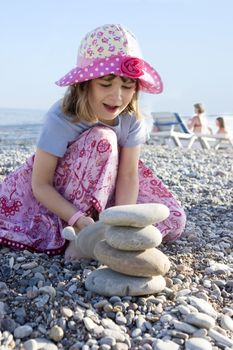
(198, 123)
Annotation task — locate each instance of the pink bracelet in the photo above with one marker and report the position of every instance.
(74, 218)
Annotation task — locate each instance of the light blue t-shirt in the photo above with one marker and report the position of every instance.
(58, 132)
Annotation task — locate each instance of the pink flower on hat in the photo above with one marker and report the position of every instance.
(132, 67)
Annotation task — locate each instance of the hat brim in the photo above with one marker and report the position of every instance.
(149, 79)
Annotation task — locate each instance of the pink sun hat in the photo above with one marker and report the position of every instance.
(112, 49)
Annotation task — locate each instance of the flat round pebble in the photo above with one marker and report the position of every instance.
(23, 331)
(56, 333)
(198, 344)
(150, 262)
(107, 282)
(200, 320)
(131, 238)
(136, 215)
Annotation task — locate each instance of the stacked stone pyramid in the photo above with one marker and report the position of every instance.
(125, 243)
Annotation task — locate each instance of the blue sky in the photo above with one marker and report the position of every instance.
(189, 42)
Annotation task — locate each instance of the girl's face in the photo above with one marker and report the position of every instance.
(108, 96)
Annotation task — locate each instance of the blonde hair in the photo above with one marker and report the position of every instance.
(76, 105)
(199, 107)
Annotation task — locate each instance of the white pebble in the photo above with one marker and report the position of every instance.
(198, 344)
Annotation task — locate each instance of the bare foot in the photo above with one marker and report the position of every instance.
(73, 253)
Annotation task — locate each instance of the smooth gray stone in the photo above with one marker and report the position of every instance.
(85, 239)
(150, 262)
(68, 233)
(227, 323)
(136, 215)
(203, 306)
(23, 331)
(198, 344)
(39, 343)
(220, 338)
(200, 320)
(106, 282)
(88, 237)
(133, 238)
(184, 327)
(160, 344)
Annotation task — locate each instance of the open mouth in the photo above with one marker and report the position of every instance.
(110, 108)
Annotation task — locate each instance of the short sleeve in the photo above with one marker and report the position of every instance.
(138, 133)
(56, 133)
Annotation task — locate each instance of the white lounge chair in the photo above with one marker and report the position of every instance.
(215, 141)
(167, 125)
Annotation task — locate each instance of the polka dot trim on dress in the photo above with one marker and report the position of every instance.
(21, 246)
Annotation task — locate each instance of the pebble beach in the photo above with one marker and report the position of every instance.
(44, 303)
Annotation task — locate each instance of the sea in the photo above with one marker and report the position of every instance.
(24, 125)
(20, 125)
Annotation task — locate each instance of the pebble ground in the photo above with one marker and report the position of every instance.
(43, 302)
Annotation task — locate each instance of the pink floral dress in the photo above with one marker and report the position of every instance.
(85, 176)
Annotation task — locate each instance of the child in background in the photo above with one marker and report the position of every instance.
(220, 123)
(87, 156)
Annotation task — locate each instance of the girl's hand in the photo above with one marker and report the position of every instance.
(83, 221)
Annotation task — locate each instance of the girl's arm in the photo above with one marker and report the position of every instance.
(127, 185)
(42, 186)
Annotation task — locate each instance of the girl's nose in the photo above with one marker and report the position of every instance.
(117, 94)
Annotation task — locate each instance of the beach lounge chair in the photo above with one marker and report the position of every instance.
(215, 141)
(169, 126)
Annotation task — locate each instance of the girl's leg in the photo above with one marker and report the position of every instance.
(86, 176)
(24, 222)
(90, 166)
(152, 190)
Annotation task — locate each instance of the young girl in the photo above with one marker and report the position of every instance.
(220, 123)
(87, 156)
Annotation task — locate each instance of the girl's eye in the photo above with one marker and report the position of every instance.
(104, 85)
(128, 87)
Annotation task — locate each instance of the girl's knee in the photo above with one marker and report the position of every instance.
(104, 140)
(177, 225)
(97, 138)
(181, 218)
(99, 133)
(173, 227)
